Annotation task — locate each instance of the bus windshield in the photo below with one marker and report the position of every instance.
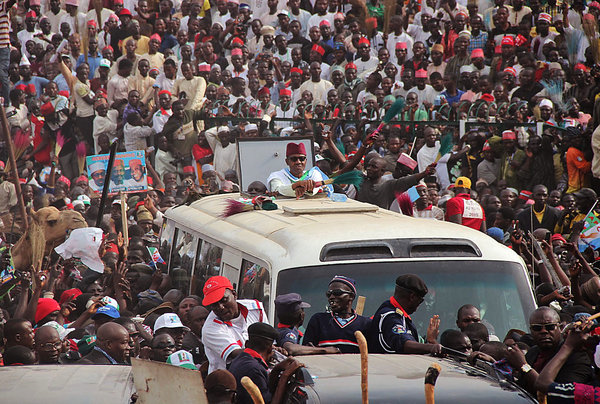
(499, 289)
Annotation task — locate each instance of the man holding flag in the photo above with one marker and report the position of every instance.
(590, 235)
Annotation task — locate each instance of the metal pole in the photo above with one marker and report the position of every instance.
(13, 165)
(111, 160)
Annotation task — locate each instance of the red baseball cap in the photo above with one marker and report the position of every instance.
(214, 289)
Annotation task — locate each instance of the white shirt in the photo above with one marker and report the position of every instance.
(55, 19)
(222, 338)
(427, 155)
(393, 39)
(71, 21)
(425, 95)
(319, 90)
(316, 19)
(362, 66)
(159, 119)
(25, 36)
(281, 181)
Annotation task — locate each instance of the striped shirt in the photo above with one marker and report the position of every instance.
(4, 25)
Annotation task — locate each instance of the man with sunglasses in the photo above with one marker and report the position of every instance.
(336, 328)
(294, 180)
(226, 328)
(392, 329)
(544, 324)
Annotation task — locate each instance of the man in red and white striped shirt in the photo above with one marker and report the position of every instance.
(225, 331)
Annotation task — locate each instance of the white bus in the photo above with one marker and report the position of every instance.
(302, 245)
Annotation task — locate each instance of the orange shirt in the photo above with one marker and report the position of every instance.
(578, 169)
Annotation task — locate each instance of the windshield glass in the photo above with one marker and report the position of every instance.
(499, 289)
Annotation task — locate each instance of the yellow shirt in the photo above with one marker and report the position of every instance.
(539, 215)
(194, 91)
(157, 60)
(143, 85)
(142, 45)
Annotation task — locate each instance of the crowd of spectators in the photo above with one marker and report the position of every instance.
(494, 127)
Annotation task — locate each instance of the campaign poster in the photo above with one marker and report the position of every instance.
(128, 173)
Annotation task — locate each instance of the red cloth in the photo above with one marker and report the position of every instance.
(200, 152)
(69, 294)
(45, 306)
(471, 212)
(43, 156)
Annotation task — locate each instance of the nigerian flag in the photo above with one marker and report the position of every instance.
(590, 235)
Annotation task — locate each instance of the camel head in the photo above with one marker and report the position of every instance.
(48, 228)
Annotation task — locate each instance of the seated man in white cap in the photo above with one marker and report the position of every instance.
(294, 180)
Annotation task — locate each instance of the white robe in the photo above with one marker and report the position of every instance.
(281, 181)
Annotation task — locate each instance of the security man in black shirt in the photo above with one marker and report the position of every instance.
(392, 329)
(253, 362)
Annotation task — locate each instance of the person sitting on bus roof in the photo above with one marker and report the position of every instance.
(294, 180)
(336, 328)
(290, 313)
(226, 328)
(392, 329)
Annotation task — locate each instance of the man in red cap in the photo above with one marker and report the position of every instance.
(226, 328)
(294, 180)
(511, 160)
(364, 62)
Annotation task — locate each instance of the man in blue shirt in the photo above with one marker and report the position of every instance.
(27, 78)
(94, 58)
(392, 329)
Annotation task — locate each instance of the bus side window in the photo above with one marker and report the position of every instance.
(255, 283)
(208, 263)
(166, 239)
(182, 260)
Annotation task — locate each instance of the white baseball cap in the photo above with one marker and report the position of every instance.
(169, 320)
(182, 359)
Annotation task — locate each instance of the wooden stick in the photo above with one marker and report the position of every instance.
(253, 390)
(433, 371)
(364, 366)
(124, 228)
(13, 166)
(542, 399)
(360, 305)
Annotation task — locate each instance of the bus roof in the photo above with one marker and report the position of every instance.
(295, 233)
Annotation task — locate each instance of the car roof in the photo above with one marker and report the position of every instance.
(288, 233)
(88, 384)
(400, 378)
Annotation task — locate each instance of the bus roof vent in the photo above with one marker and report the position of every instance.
(399, 248)
(443, 248)
(359, 251)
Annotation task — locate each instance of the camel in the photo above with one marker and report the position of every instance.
(48, 228)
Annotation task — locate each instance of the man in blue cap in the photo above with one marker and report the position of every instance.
(290, 312)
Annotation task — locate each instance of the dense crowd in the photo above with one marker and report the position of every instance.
(489, 110)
